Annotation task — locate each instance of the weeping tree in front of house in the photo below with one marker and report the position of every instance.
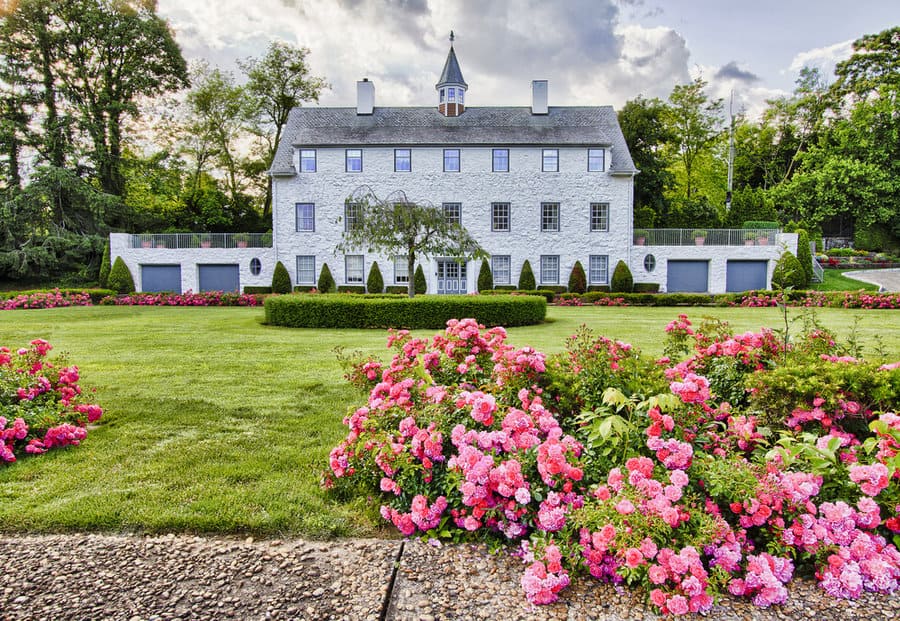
(398, 226)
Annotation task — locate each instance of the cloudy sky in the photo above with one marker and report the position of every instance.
(592, 51)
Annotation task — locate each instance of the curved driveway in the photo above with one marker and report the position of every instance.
(888, 280)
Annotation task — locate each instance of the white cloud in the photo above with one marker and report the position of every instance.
(823, 58)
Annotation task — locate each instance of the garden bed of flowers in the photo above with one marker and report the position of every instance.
(42, 405)
(832, 299)
(732, 464)
(60, 298)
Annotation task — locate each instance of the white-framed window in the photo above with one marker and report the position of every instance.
(306, 269)
(649, 263)
(307, 160)
(451, 159)
(549, 217)
(443, 95)
(451, 94)
(500, 269)
(354, 160)
(354, 269)
(255, 266)
(549, 269)
(500, 216)
(402, 160)
(500, 160)
(351, 216)
(550, 160)
(600, 216)
(598, 269)
(401, 271)
(453, 212)
(459, 95)
(596, 160)
(306, 217)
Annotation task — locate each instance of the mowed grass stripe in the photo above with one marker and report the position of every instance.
(216, 423)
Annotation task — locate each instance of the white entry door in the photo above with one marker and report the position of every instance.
(451, 277)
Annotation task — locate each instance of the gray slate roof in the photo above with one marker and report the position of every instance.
(451, 73)
(420, 126)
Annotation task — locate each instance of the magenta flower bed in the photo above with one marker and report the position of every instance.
(48, 299)
(206, 298)
(848, 299)
(712, 470)
(42, 405)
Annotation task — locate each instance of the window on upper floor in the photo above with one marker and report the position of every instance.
(596, 160)
(500, 160)
(451, 94)
(459, 95)
(401, 271)
(549, 217)
(500, 269)
(402, 160)
(453, 212)
(306, 270)
(451, 160)
(500, 217)
(354, 160)
(351, 216)
(550, 160)
(443, 95)
(549, 269)
(307, 160)
(599, 216)
(354, 271)
(598, 269)
(306, 217)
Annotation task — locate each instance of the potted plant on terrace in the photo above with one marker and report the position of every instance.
(205, 241)
(699, 237)
(762, 238)
(749, 238)
(640, 236)
(241, 240)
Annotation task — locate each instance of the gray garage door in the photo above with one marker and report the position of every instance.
(687, 276)
(155, 278)
(219, 278)
(745, 275)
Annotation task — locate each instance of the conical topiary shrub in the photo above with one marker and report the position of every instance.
(120, 279)
(804, 255)
(104, 267)
(281, 279)
(622, 281)
(788, 272)
(577, 279)
(375, 283)
(485, 278)
(420, 285)
(526, 278)
(326, 280)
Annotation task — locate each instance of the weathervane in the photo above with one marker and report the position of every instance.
(451, 37)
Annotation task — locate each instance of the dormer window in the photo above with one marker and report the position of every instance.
(443, 93)
(451, 94)
(459, 96)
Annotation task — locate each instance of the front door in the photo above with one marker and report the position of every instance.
(451, 276)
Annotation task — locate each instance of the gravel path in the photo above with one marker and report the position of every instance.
(92, 577)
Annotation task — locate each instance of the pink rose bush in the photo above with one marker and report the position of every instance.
(42, 405)
(712, 471)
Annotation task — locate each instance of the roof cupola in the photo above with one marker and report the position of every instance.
(451, 87)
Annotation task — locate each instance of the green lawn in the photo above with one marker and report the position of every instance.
(217, 423)
(836, 281)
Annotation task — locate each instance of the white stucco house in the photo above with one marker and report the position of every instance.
(549, 184)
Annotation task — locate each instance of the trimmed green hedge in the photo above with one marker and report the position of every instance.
(352, 311)
(398, 289)
(304, 288)
(257, 290)
(646, 287)
(351, 289)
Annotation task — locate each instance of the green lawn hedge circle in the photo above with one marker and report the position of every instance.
(426, 311)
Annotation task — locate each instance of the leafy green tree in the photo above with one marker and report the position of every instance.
(804, 256)
(873, 67)
(788, 272)
(485, 277)
(398, 226)
(375, 281)
(326, 282)
(750, 203)
(622, 281)
(278, 82)
(281, 279)
(646, 132)
(577, 279)
(120, 278)
(695, 123)
(526, 277)
(420, 284)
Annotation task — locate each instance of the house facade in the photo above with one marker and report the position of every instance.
(547, 184)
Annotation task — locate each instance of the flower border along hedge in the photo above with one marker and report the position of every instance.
(357, 311)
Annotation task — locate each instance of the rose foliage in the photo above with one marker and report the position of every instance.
(41, 404)
(656, 473)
